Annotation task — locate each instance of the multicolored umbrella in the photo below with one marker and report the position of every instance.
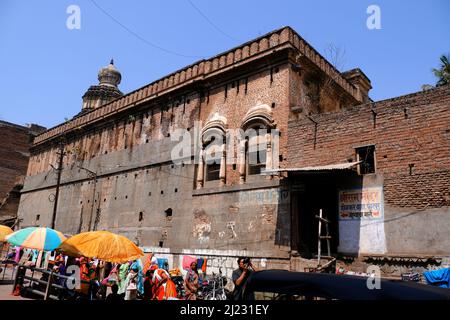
(4, 231)
(42, 239)
(102, 245)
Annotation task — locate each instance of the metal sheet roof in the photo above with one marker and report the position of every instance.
(337, 166)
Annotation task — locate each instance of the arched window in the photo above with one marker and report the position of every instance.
(212, 162)
(213, 156)
(255, 152)
(256, 149)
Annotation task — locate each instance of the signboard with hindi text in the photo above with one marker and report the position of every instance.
(364, 203)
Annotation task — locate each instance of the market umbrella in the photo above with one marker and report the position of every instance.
(103, 245)
(39, 238)
(4, 231)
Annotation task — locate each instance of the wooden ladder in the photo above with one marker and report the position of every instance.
(326, 237)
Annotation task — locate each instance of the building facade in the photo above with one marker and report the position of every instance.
(119, 171)
(14, 154)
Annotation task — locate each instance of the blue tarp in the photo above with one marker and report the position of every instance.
(439, 278)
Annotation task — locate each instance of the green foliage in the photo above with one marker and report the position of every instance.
(443, 72)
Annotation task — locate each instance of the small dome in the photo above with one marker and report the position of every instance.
(109, 75)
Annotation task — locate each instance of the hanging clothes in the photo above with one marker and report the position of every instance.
(203, 267)
(187, 260)
(200, 262)
(163, 263)
(147, 264)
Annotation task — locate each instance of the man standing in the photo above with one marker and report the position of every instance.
(241, 275)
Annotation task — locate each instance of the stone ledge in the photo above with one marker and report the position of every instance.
(237, 188)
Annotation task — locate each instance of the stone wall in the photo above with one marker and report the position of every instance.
(137, 185)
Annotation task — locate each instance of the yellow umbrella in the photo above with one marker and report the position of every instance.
(4, 231)
(102, 245)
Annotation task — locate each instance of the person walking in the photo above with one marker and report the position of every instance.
(191, 282)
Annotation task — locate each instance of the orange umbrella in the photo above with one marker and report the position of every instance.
(4, 231)
(102, 245)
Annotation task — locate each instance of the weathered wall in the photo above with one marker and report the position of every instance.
(409, 131)
(14, 152)
(15, 143)
(136, 178)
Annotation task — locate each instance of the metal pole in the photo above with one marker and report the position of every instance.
(58, 182)
(49, 284)
(93, 202)
(318, 239)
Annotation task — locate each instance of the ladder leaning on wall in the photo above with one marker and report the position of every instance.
(326, 237)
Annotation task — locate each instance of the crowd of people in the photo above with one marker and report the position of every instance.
(131, 280)
(134, 280)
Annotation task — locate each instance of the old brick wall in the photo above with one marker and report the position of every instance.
(14, 153)
(410, 134)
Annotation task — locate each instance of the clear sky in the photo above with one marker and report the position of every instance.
(45, 67)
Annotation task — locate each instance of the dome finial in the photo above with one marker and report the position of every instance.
(109, 75)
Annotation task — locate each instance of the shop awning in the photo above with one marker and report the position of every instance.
(337, 166)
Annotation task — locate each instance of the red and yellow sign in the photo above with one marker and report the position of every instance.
(365, 203)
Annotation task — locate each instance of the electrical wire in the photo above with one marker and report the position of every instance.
(210, 22)
(139, 37)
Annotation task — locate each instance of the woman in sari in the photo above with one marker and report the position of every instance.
(123, 272)
(191, 282)
(162, 286)
(137, 265)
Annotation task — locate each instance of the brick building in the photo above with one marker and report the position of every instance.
(14, 154)
(119, 174)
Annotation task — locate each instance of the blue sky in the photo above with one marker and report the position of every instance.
(45, 67)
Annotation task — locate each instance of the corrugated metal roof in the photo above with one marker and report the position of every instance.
(337, 166)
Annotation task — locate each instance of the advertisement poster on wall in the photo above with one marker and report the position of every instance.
(361, 204)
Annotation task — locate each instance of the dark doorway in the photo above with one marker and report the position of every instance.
(319, 191)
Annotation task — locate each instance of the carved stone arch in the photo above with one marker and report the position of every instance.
(216, 126)
(259, 114)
